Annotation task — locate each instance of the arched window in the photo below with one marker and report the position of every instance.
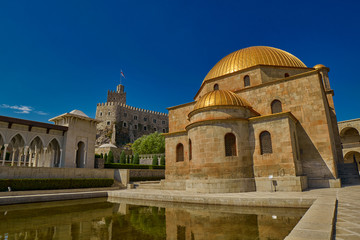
(230, 144)
(179, 153)
(216, 87)
(265, 142)
(190, 150)
(276, 106)
(286, 75)
(246, 81)
(100, 114)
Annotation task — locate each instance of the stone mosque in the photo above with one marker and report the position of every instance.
(261, 121)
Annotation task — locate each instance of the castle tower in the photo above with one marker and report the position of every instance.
(118, 96)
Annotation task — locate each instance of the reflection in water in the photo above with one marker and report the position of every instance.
(98, 219)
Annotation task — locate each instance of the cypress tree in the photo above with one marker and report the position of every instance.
(122, 157)
(110, 157)
(136, 159)
(155, 160)
(162, 160)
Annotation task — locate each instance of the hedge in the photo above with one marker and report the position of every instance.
(138, 179)
(132, 166)
(53, 183)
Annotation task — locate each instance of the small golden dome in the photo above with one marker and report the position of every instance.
(252, 56)
(319, 66)
(220, 98)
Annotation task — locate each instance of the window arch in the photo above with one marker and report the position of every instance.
(180, 153)
(216, 86)
(286, 75)
(230, 144)
(190, 150)
(246, 81)
(276, 106)
(265, 142)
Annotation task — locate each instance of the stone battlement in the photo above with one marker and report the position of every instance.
(130, 107)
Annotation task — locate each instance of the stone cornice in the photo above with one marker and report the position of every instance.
(215, 120)
(172, 134)
(287, 114)
(192, 113)
(181, 105)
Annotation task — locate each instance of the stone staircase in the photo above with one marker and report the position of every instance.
(147, 185)
(348, 173)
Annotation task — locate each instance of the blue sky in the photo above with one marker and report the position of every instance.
(56, 56)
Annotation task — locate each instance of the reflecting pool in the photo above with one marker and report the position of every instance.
(113, 218)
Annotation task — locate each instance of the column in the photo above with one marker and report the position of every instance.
(26, 149)
(60, 161)
(44, 156)
(85, 154)
(19, 158)
(13, 157)
(30, 158)
(4, 155)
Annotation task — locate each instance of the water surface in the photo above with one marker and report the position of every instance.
(113, 218)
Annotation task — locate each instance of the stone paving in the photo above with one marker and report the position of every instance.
(348, 213)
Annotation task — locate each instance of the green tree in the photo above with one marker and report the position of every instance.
(128, 159)
(110, 158)
(122, 157)
(162, 160)
(105, 158)
(102, 156)
(132, 159)
(136, 159)
(149, 144)
(155, 160)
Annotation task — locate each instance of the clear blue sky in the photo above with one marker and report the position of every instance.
(56, 56)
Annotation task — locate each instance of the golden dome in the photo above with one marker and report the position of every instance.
(252, 56)
(220, 98)
(319, 66)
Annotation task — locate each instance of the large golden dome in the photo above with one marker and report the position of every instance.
(220, 98)
(252, 56)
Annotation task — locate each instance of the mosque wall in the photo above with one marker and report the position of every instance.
(178, 117)
(304, 98)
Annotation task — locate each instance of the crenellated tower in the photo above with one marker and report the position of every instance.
(118, 96)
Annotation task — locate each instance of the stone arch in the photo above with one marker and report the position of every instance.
(53, 150)
(36, 149)
(352, 156)
(16, 149)
(349, 135)
(2, 139)
(36, 136)
(80, 155)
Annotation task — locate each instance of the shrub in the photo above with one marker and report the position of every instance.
(105, 157)
(132, 166)
(102, 156)
(54, 183)
(132, 159)
(136, 159)
(155, 160)
(162, 160)
(110, 158)
(128, 159)
(136, 179)
(97, 155)
(122, 157)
